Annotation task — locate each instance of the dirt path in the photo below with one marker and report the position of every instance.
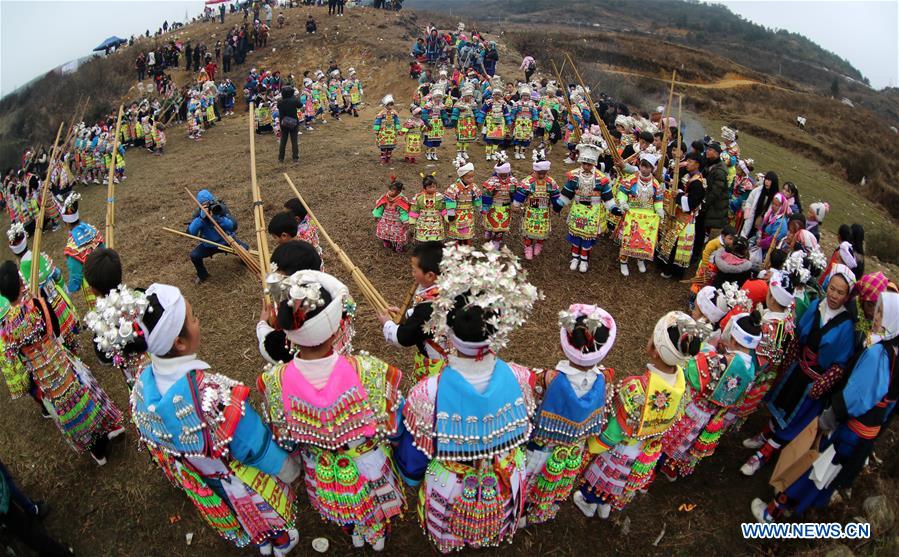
(729, 82)
(128, 509)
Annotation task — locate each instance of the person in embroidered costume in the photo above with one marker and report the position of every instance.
(640, 197)
(676, 241)
(306, 227)
(427, 210)
(589, 192)
(83, 239)
(434, 115)
(387, 127)
(573, 408)
(495, 118)
(540, 195)
(771, 355)
(741, 186)
(392, 213)
(354, 85)
(464, 118)
(860, 411)
(201, 431)
(644, 407)
(462, 202)
(84, 414)
(16, 376)
(717, 380)
(815, 216)
(867, 291)
(524, 119)
(412, 131)
(50, 280)
(496, 200)
(731, 154)
(430, 358)
(825, 335)
(334, 413)
(464, 433)
(118, 339)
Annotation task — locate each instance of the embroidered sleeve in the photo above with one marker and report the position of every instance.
(418, 415)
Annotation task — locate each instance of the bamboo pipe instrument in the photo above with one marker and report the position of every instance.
(661, 166)
(110, 188)
(39, 224)
(258, 214)
(610, 142)
(224, 248)
(407, 303)
(574, 125)
(368, 290)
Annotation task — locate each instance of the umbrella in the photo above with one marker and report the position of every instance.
(111, 42)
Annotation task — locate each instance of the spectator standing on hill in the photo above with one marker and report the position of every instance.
(141, 66)
(290, 123)
(528, 66)
(221, 13)
(268, 14)
(196, 60)
(226, 57)
(188, 55)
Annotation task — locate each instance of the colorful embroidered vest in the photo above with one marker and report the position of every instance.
(648, 405)
(196, 417)
(83, 240)
(565, 418)
(360, 400)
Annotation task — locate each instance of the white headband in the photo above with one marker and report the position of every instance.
(318, 329)
(20, 247)
(708, 306)
(783, 296)
(743, 338)
(576, 355)
(71, 218)
(167, 329)
(467, 348)
(465, 169)
(541, 166)
(669, 353)
(504, 168)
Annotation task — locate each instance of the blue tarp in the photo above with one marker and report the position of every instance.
(110, 43)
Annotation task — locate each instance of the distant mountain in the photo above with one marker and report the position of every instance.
(699, 25)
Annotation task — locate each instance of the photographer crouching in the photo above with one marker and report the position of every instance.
(201, 226)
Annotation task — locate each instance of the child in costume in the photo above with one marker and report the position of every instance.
(573, 408)
(334, 413)
(307, 101)
(465, 429)
(540, 195)
(83, 239)
(524, 118)
(306, 228)
(411, 331)
(392, 213)
(387, 127)
(676, 241)
(83, 412)
(356, 92)
(826, 335)
(202, 432)
(464, 119)
(434, 115)
(644, 407)
(496, 200)
(412, 130)
(640, 197)
(589, 192)
(52, 290)
(118, 339)
(495, 118)
(463, 203)
(427, 210)
(717, 379)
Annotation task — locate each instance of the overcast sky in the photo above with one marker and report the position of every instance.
(38, 35)
(865, 32)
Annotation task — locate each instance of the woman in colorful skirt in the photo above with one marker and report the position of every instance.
(464, 119)
(427, 210)
(539, 193)
(202, 432)
(334, 413)
(84, 414)
(465, 429)
(645, 406)
(859, 413)
(826, 335)
(463, 203)
(495, 118)
(717, 380)
(496, 201)
(434, 115)
(387, 127)
(573, 408)
(392, 213)
(640, 197)
(412, 131)
(524, 118)
(589, 192)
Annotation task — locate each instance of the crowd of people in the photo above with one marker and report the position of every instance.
(490, 446)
